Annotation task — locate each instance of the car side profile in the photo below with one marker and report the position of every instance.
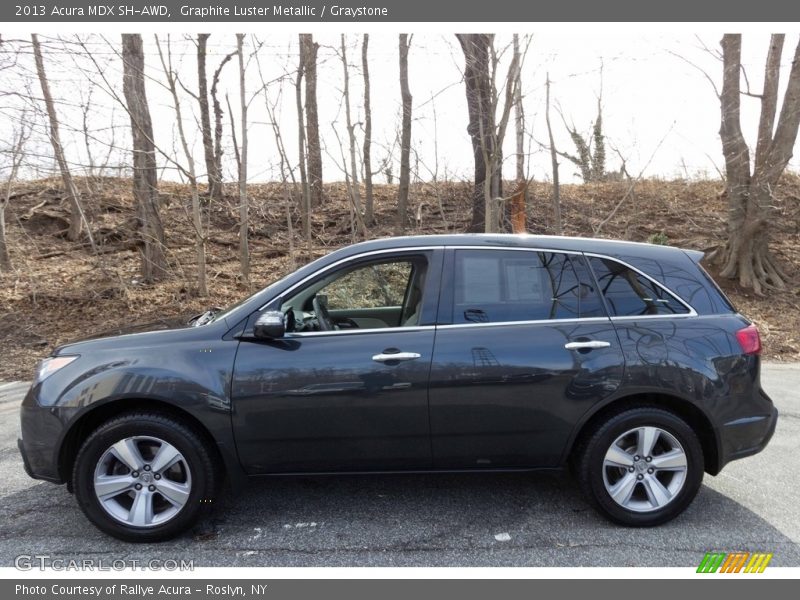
(623, 362)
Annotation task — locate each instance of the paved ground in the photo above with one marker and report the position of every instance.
(451, 520)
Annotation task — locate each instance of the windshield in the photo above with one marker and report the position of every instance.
(217, 314)
(223, 313)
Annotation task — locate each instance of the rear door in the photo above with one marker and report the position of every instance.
(524, 347)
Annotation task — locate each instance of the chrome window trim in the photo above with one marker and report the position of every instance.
(519, 323)
(305, 334)
(691, 313)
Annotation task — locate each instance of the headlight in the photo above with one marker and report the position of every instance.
(50, 365)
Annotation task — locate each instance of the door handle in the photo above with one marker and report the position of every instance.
(398, 356)
(589, 345)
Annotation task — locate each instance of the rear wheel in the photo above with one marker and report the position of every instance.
(144, 477)
(641, 467)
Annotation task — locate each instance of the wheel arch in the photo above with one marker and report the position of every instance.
(685, 409)
(101, 412)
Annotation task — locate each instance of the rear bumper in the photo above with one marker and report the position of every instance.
(747, 436)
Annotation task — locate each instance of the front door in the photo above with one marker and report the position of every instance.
(346, 388)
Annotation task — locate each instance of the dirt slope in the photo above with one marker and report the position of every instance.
(59, 290)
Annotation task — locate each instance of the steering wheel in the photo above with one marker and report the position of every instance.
(290, 320)
(324, 319)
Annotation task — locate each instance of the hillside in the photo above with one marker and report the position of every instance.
(60, 291)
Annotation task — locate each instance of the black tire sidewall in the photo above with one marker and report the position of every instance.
(591, 467)
(188, 444)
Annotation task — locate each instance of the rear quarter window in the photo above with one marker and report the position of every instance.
(630, 294)
(681, 275)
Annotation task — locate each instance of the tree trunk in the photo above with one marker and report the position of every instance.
(5, 259)
(145, 181)
(557, 228)
(244, 217)
(17, 152)
(369, 217)
(746, 255)
(217, 167)
(305, 199)
(519, 116)
(351, 133)
(477, 81)
(314, 165)
(214, 192)
(75, 216)
(405, 137)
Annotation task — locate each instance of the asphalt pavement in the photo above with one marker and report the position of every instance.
(432, 520)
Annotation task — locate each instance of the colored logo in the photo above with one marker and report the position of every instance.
(734, 562)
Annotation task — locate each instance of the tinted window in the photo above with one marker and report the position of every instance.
(628, 293)
(509, 285)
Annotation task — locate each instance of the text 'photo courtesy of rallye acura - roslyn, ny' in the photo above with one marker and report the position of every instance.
(622, 362)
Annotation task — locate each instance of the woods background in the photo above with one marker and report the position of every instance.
(116, 209)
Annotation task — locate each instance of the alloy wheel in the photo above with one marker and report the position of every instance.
(142, 481)
(645, 469)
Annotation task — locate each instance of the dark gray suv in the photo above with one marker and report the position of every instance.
(622, 361)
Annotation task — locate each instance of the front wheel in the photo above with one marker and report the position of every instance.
(144, 477)
(642, 467)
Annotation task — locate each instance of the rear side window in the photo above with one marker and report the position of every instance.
(630, 294)
(506, 285)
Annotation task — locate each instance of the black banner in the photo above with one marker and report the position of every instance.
(397, 589)
(397, 11)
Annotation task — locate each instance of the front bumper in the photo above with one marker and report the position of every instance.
(42, 429)
(44, 473)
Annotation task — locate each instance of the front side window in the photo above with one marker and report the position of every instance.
(371, 286)
(508, 285)
(369, 295)
(629, 293)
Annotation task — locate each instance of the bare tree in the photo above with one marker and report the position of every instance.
(76, 216)
(369, 217)
(591, 151)
(217, 108)
(212, 168)
(16, 153)
(86, 111)
(486, 130)
(405, 135)
(554, 162)
(145, 182)
(286, 170)
(519, 114)
(244, 217)
(481, 120)
(305, 198)
(746, 255)
(189, 171)
(308, 51)
(355, 192)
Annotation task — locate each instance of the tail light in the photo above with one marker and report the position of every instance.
(749, 339)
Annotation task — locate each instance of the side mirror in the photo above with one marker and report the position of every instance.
(270, 325)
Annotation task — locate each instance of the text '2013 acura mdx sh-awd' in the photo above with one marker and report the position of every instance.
(622, 361)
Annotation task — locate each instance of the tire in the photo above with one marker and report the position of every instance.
(634, 490)
(174, 488)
